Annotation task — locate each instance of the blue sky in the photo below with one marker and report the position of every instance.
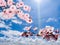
(45, 13)
(50, 10)
(49, 14)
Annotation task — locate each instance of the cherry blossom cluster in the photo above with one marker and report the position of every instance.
(47, 30)
(15, 9)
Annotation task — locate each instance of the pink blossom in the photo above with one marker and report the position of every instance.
(26, 18)
(26, 8)
(20, 14)
(8, 14)
(21, 4)
(13, 9)
(2, 3)
(27, 15)
(29, 21)
(49, 29)
(18, 11)
(5, 11)
(9, 2)
(41, 33)
(17, 5)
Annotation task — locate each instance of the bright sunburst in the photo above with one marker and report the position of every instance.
(38, 1)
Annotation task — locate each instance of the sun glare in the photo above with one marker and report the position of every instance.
(38, 1)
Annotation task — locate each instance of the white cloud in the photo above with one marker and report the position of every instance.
(17, 21)
(27, 28)
(14, 18)
(3, 25)
(52, 19)
(11, 33)
(0, 14)
(16, 40)
(26, 41)
(19, 0)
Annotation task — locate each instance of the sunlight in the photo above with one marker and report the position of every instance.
(38, 1)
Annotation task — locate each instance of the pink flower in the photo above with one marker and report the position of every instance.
(17, 5)
(27, 15)
(5, 14)
(29, 21)
(26, 18)
(2, 3)
(8, 14)
(20, 14)
(18, 11)
(26, 8)
(13, 8)
(9, 2)
(41, 33)
(21, 17)
(21, 4)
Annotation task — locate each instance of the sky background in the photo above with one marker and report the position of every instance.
(43, 13)
(50, 13)
(34, 14)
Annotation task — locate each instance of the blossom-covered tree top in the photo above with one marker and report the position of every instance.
(10, 9)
